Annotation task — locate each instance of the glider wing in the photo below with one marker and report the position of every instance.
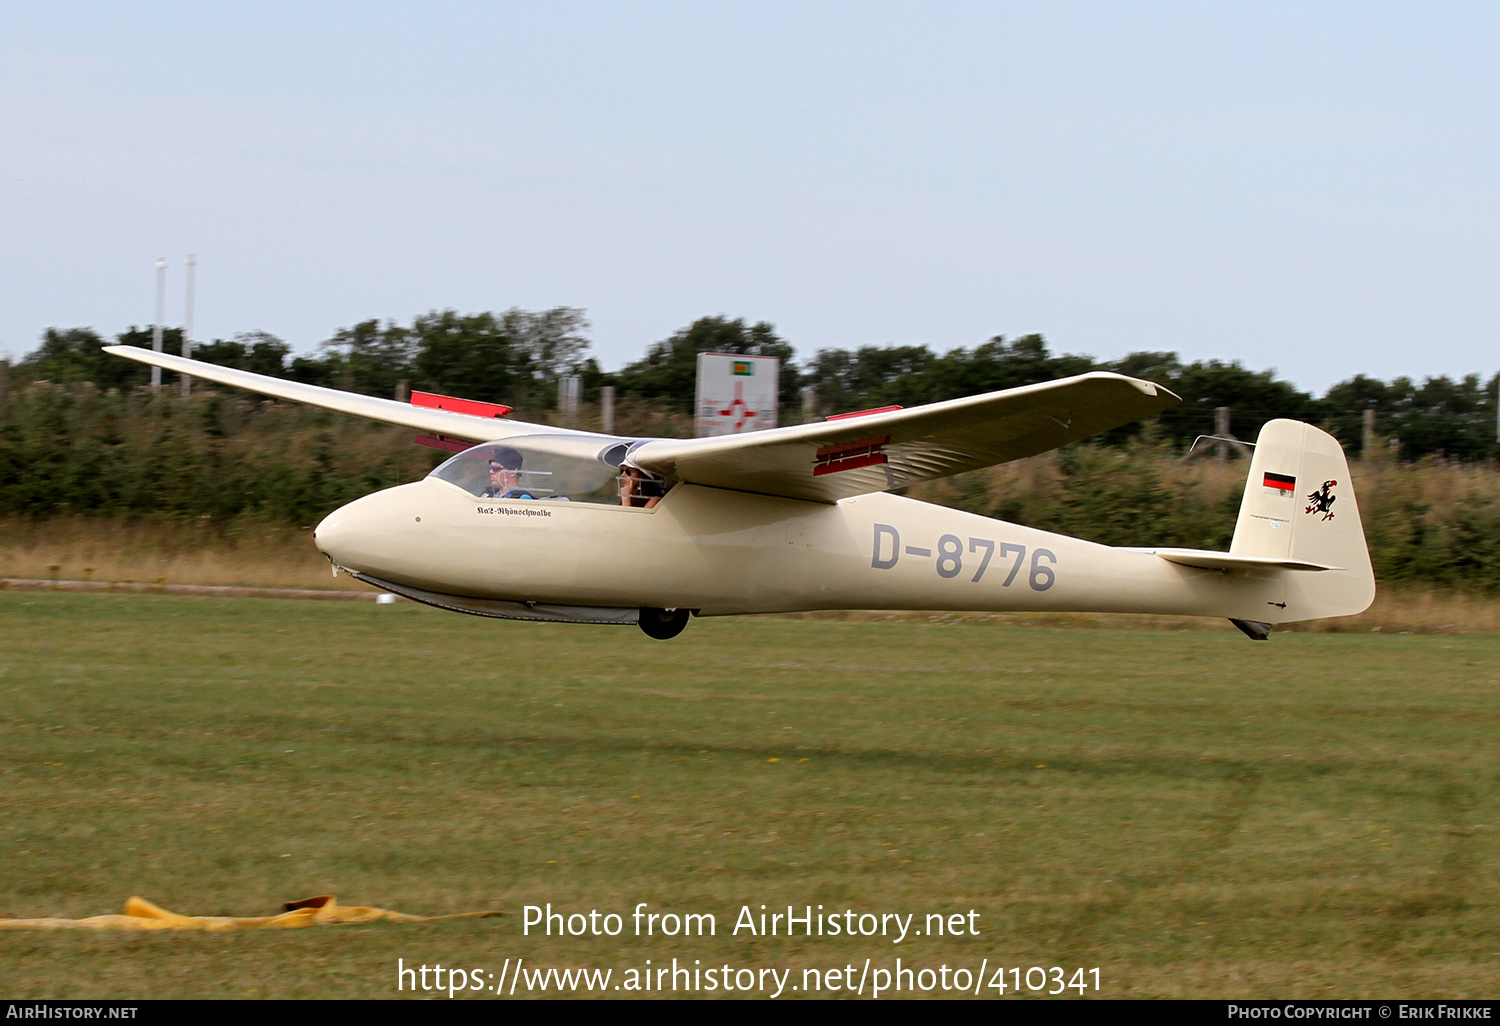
(876, 452)
(448, 423)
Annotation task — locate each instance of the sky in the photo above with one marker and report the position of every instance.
(1304, 188)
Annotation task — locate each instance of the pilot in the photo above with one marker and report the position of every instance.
(638, 489)
(505, 475)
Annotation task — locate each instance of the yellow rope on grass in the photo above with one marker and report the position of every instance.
(324, 910)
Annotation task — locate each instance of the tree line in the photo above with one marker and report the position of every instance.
(80, 434)
(221, 460)
(517, 357)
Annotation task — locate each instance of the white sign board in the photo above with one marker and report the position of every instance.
(735, 394)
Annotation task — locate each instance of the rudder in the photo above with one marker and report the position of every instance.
(1299, 504)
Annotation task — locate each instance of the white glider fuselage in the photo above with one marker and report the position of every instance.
(720, 552)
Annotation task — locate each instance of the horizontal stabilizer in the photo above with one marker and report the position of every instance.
(1228, 561)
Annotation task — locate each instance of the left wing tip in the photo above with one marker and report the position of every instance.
(1153, 390)
(1146, 388)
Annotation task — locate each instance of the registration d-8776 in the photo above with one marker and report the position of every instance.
(951, 558)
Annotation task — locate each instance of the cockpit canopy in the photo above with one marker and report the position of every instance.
(563, 468)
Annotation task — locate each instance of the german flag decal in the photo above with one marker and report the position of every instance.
(1281, 484)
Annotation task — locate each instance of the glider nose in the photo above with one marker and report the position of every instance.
(342, 534)
(331, 536)
(368, 533)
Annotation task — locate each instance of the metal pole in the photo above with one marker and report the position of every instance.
(567, 398)
(607, 411)
(1221, 428)
(187, 323)
(161, 313)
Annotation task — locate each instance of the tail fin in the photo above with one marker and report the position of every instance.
(1299, 505)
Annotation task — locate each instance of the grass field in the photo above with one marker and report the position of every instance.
(1194, 814)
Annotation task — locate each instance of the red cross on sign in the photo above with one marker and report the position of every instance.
(738, 409)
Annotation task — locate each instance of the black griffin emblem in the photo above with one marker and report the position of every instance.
(1321, 501)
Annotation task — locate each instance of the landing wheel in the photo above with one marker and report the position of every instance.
(662, 624)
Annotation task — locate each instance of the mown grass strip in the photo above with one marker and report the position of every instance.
(1195, 814)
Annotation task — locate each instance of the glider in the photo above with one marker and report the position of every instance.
(534, 522)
